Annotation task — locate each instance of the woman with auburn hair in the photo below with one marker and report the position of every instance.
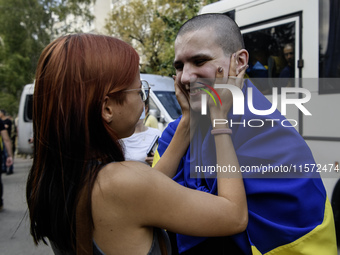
(81, 193)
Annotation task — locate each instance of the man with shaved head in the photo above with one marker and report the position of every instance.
(289, 212)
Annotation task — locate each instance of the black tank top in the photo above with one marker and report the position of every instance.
(160, 238)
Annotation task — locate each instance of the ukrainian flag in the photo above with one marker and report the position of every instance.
(289, 213)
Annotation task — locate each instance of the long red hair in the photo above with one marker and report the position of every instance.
(71, 140)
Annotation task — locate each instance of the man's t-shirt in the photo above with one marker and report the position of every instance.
(8, 126)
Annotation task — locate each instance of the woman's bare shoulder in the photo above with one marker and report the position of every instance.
(124, 178)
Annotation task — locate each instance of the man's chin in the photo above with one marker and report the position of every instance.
(196, 107)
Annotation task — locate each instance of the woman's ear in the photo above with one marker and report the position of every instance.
(107, 109)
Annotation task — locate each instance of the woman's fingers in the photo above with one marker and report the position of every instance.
(219, 73)
(224, 94)
(182, 96)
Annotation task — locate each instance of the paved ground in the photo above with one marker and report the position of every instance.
(15, 238)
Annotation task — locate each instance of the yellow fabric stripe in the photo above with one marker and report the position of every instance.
(321, 240)
(255, 251)
(156, 157)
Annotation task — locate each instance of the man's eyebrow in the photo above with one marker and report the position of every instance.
(202, 55)
(193, 58)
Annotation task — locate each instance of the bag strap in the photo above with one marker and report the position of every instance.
(84, 243)
(162, 244)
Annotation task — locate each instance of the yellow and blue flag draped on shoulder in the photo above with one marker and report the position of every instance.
(286, 215)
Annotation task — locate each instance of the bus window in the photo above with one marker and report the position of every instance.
(28, 109)
(329, 50)
(271, 55)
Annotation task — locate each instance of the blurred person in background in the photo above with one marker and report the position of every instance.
(139, 146)
(287, 74)
(8, 123)
(14, 134)
(6, 141)
(289, 70)
(149, 120)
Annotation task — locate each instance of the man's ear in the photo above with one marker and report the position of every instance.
(107, 109)
(242, 57)
(240, 61)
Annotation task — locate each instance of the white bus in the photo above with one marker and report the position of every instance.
(267, 26)
(25, 127)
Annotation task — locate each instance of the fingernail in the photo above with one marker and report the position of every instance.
(220, 69)
(244, 67)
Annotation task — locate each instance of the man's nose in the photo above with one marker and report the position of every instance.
(290, 55)
(188, 75)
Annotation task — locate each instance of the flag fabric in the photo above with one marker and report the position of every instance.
(289, 212)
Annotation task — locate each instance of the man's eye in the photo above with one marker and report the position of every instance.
(200, 62)
(178, 67)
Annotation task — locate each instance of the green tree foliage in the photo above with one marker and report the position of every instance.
(26, 27)
(150, 27)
